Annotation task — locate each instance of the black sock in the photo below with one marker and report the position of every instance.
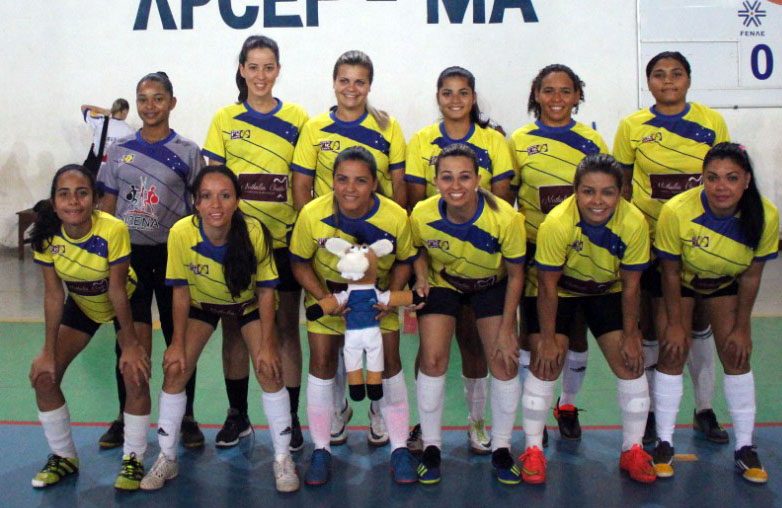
(237, 393)
(293, 393)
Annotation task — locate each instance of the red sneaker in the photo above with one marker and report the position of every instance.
(533, 466)
(638, 464)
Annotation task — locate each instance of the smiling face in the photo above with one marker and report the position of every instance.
(354, 187)
(154, 104)
(351, 87)
(669, 82)
(457, 180)
(216, 201)
(260, 72)
(557, 97)
(74, 202)
(597, 196)
(724, 182)
(455, 98)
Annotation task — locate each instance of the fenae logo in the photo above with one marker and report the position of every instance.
(240, 134)
(701, 241)
(330, 145)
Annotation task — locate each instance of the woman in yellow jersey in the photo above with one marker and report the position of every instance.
(591, 251)
(713, 241)
(220, 264)
(661, 150)
(352, 122)
(89, 251)
(462, 123)
(255, 138)
(546, 153)
(473, 254)
(360, 215)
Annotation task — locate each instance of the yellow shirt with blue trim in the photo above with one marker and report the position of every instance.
(471, 256)
(546, 159)
(490, 147)
(196, 262)
(258, 148)
(591, 257)
(713, 251)
(325, 136)
(83, 264)
(666, 152)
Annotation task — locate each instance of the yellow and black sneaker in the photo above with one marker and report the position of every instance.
(662, 456)
(56, 469)
(130, 474)
(748, 464)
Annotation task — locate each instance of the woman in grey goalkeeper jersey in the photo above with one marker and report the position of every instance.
(146, 182)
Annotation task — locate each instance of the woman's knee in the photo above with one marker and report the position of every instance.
(433, 364)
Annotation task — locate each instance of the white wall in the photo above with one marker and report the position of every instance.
(58, 55)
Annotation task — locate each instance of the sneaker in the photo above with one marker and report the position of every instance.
(415, 442)
(163, 469)
(377, 435)
(297, 439)
(56, 469)
(567, 419)
(286, 479)
(505, 467)
(236, 426)
(339, 425)
(662, 457)
(130, 474)
(113, 437)
(650, 432)
(320, 468)
(748, 464)
(478, 436)
(638, 464)
(403, 466)
(706, 423)
(545, 437)
(192, 437)
(429, 467)
(533, 466)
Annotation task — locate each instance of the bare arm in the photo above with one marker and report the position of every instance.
(415, 193)
(53, 302)
(399, 186)
(302, 189)
(502, 190)
(306, 277)
(108, 203)
(627, 181)
(547, 303)
(97, 109)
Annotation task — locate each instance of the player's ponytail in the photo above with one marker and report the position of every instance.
(578, 86)
(750, 206)
(476, 116)
(253, 42)
(361, 59)
(462, 150)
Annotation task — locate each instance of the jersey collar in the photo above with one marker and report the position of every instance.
(357, 121)
(372, 211)
(478, 211)
(686, 110)
(273, 112)
(163, 141)
(465, 138)
(549, 128)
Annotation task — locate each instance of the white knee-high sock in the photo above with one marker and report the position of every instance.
(573, 376)
(475, 394)
(633, 397)
(57, 429)
(740, 397)
(524, 359)
(396, 410)
(320, 407)
(340, 384)
(277, 408)
(668, 391)
(651, 350)
(700, 363)
(430, 392)
(535, 405)
(136, 427)
(172, 410)
(505, 397)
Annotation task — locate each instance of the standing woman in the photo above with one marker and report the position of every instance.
(220, 265)
(360, 215)
(546, 153)
(591, 250)
(462, 123)
(255, 138)
(146, 181)
(117, 128)
(88, 250)
(661, 150)
(713, 241)
(474, 248)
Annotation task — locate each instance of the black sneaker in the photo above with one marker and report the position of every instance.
(429, 468)
(748, 464)
(297, 439)
(505, 467)
(650, 432)
(113, 437)
(545, 437)
(192, 437)
(662, 456)
(414, 441)
(706, 423)
(567, 419)
(236, 426)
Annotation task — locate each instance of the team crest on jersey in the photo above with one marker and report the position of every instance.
(534, 149)
(330, 145)
(577, 245)
(199, 269)
(240, 134)
(437, 244)
(143, 199)
(653, 138)
(57, 249)
(701, 241)
(127, 159)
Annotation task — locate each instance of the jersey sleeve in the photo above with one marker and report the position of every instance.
(415, 231)
(45, 257)
(415, 165)
(405, 252)
(396, 156)
(266, 271)
(514, 240)
(720, 129)
(636, 255)
(305, 155)
(119, 243)
(303, 245)
(601, 144)
(175, 266)
(196, 165)
(94, 120)
(769, 240)
(214, 146)
(552, 241)
(667, 243)
(107, 175)
(624, 153)
(502, 163)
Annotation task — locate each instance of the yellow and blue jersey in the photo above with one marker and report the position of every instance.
(196, 262)
(83, 264)
(591, 257)
(546, 159)
(490, 147)
(325, 136)
(470, 256)
(258, 148)
(713, 251)
(666, 152)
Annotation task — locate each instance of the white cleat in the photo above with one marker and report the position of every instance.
(163, 469)
(480, 440)
(286, 479)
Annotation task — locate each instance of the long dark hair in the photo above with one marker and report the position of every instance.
(578, 86)
(47, 223)
(251, 43)
(675, 55)
(598, 163)
(239, 263)
(462, 150)
(751, 217)
(460, 72)
(359, 58)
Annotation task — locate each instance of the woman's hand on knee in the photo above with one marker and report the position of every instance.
(549, 358)
(674, 344)
(43, 365)
(738, 346)
(267, 363)
(506, 351)
(134, 363)
(174, 358)
(632, 352)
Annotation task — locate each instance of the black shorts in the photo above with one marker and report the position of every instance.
(288, 282)
(731, 290)
(651, 281)
(212, 319)
(486, 303)
(75, 318)
(603, 313)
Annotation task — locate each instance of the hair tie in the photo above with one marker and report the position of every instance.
(742, 148)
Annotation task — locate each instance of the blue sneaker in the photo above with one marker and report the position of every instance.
(403, 466)
(429, 468)
(505, 467)
(320, 468)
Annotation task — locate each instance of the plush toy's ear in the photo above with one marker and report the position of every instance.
(338, 246)
(382, 247)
